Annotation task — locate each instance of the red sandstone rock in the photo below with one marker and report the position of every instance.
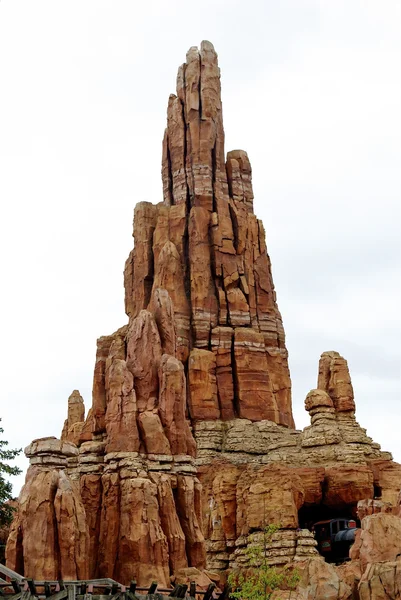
(175, 140)
(169, 275)
(109, 524)
(220, 501)
(203, 402)
(99, 386)
(91, 494)
(381, 581)
(121, 411)
(11, 536)
(387, 479)
(142, 546)
(222, 197)
(189, 575)
(239, 174)
(152, 433)
(203, 300)
(378, 540)
(171, 226)
(72, 530)
(189, 508)
(49, 535)
(334, 378)
(319, 580)
(368, 507)
(172, 405)
(222, 344)
(277, 365)
(143, 359)
(397, 509)
(269, 495)
(162, 307)
(170, 522)
(347, 484)
(350, 573)
(75, 420)
(205, 342)
(37, 498)
(312, 481)
(5, 527)
(138, 273)
(255, 393)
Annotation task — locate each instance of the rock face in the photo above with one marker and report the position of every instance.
(381, 581)
(189, 448)
(374, 572)
(58, 542)
(378, 540)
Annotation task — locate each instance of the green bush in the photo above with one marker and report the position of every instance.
(259, 580)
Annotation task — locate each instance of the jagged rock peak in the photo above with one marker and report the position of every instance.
(334, 378)
(184, 441)
(194, 169)
(193, 146)
(205, 249)
(75, 418)
(204, 343)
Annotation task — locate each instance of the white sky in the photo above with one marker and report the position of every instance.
(311, 90)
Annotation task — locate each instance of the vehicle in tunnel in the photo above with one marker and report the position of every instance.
(335, 537)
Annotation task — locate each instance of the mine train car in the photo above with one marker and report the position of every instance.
(334, 538)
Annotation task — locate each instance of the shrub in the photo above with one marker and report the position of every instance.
(259, 580)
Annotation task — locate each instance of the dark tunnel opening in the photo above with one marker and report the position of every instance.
(334, 529)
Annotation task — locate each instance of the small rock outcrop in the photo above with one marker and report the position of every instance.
(189, 448)
(74, 422)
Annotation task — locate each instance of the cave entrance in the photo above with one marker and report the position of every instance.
(309, 515)
(334, 529)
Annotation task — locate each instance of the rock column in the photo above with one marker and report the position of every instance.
(49, 535)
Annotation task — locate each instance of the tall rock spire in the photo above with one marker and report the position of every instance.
(204, 344)
(191, 431)
(207, 249)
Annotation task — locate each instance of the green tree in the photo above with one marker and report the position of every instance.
(259, 580)
(6, 511)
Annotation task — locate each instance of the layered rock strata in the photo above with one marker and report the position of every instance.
(189, 448)
(255, 473)
(283, 547)
(49, 534)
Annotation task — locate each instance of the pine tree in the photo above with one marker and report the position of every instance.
(6, 511)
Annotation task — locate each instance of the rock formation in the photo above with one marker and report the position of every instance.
(189, 449)
(75, 419)
(52, 500)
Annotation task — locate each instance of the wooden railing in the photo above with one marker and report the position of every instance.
(17, 587)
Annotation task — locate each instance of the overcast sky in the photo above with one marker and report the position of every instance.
(311, 90)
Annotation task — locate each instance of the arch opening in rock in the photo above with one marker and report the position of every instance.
(333, 528)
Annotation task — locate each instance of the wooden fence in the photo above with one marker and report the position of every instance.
(17, 587)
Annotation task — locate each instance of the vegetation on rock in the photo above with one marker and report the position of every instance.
(261, 579)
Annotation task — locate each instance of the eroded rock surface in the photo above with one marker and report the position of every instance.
(189, 448)
(74, 423)
(57, 541)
